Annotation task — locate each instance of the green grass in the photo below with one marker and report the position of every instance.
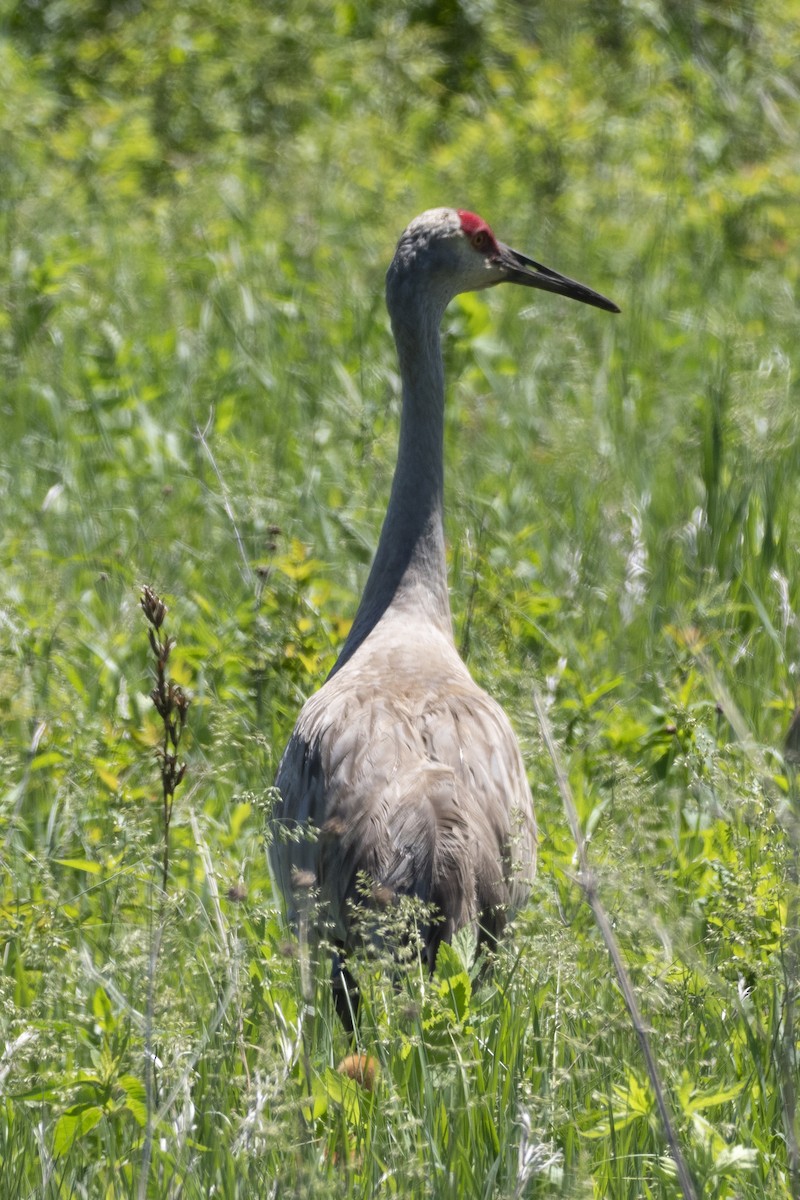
(199, 394)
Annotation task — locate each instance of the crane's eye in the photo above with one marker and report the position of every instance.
(480, 240)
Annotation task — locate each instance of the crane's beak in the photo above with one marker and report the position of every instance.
(519, 269)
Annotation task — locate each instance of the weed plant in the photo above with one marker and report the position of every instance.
(197, 204)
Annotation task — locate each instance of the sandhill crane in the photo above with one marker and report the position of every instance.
(401, 770)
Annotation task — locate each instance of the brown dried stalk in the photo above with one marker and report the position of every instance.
(172, 704)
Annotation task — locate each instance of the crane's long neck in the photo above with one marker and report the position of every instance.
(410, 569)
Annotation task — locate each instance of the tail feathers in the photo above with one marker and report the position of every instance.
(431, 861)
(415, 844)
(411, 844)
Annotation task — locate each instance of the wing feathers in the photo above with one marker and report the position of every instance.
(421, 790)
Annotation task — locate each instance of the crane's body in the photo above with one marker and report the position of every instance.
(415, 781)
(401, 771)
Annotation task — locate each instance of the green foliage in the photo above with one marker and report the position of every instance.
(197, 204)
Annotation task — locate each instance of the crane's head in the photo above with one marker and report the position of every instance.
(446, 251)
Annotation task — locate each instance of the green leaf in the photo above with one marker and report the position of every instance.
(81, 864)
(344, 1091)
(709, 1100)
(135, 1097)
(103, 1012)
(73, 1125)
(736, 1158)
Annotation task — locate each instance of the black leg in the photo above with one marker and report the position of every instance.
(345, 993)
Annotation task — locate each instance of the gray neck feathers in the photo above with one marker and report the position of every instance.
(410, 566)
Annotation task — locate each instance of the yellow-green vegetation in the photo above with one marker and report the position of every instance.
(197, 204)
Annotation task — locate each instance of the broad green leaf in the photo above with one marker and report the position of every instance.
(81, 864)
(73, 1125)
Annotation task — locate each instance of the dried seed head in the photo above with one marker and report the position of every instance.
(182, 704)
(153, 606)
(361, 1067)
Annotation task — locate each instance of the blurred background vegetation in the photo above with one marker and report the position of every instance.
(197, 205)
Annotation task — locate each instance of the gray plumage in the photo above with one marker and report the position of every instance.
(402, 769)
